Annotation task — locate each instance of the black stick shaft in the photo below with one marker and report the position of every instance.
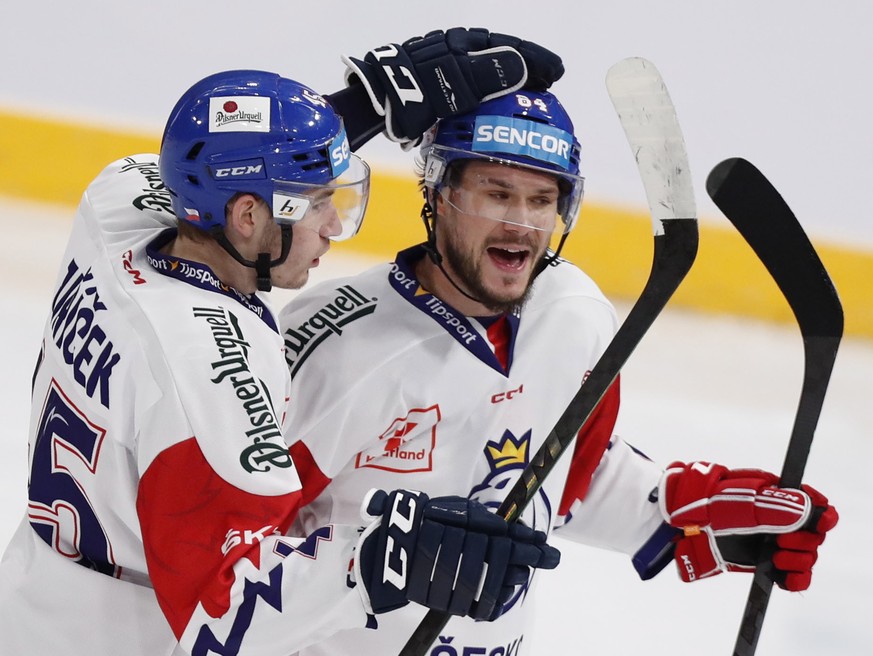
(769, 226)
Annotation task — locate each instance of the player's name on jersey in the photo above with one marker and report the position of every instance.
(84, 345)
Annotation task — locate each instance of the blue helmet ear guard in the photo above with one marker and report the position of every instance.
(241, 131)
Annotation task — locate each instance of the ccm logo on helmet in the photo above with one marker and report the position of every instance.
(246, 169)
(236, 171)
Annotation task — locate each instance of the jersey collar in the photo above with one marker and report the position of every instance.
(200, 275)
(404, 281)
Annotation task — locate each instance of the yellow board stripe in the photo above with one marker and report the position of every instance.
(53, 160)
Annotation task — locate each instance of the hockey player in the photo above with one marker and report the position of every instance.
(160, 484)
(446, 369)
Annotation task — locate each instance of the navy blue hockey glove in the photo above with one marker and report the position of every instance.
(448, 553)
(445, 73)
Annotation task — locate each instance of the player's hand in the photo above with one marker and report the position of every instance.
(725, 513)
(447, 553)
(445, 73)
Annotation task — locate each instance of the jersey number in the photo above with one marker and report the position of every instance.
(64, 459)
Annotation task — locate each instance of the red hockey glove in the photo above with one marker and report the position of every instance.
(725, 513)
(446, 73)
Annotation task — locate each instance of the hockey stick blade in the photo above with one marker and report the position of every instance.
(769, 226)
(649, 121)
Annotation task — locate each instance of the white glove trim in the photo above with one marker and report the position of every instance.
(353, 69)
(503, 92)
(662, 491)
(764, 499)
(356, 567)
(720, 564)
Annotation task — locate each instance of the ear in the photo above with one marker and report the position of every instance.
(241, 216)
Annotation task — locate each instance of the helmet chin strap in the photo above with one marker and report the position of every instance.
(430, 247)
(428, 216)
(549, 258)
(262, 271)
(263, 264)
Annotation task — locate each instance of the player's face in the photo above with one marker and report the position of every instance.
(310, 242)
(494, 227)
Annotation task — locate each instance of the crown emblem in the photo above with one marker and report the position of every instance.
(509, 451)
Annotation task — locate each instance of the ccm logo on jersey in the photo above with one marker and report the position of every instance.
(127, 263)
(506, 396)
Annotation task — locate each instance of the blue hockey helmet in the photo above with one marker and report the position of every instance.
(526, 129)
(257, 132)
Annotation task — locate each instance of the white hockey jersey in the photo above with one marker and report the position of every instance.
(392, 388)
(160, 484)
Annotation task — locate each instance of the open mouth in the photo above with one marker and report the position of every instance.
(509, 258)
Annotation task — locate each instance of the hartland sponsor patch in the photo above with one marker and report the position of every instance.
(406, 445)
(239, 114)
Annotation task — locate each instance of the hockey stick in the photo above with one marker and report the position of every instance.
(649, 121)
(766, 222)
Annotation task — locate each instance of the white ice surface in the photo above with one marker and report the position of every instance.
(698, 387)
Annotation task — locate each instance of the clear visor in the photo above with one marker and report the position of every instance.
(335, 209)
(522, 195)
